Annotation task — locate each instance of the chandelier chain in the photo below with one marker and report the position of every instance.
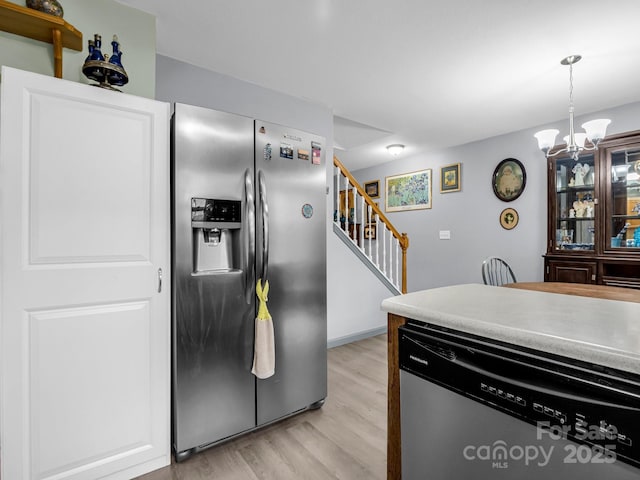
(571, 86)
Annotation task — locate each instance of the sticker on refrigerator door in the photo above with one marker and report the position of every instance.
(295, 138)
(316, 150)
(303, 154)
(307, 210)
(286, 151)
(267, 152)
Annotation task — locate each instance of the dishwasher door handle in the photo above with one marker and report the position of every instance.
(449, 355)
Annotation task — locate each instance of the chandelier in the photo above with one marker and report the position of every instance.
(594, 130)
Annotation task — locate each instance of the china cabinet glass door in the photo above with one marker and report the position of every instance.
(622, 229)
(575, 203)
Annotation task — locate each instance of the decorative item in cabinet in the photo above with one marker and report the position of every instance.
(575, 203)
(625, 199)
(43, 27)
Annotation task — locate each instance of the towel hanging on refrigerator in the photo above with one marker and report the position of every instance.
(264, 352)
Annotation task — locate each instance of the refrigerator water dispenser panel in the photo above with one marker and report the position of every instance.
(216, 226)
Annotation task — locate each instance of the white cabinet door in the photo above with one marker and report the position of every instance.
(85, 323)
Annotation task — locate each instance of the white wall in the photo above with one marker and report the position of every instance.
(354, 295)
(136, 32)
(472, 215)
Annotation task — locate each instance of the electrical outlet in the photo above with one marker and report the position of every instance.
(445, 234)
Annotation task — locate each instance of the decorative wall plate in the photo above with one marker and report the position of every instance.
(509, 218)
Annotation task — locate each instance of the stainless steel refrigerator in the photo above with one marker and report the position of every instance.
(249, 202)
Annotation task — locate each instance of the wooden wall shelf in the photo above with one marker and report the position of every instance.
(31, 23)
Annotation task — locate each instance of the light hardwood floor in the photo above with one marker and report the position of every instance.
(345, 439)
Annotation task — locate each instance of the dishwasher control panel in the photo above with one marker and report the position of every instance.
(587, 406)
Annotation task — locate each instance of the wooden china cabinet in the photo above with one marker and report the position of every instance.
(594, 215)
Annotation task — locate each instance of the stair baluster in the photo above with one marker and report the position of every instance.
(353, 214)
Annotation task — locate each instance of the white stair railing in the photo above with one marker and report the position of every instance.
(362, 221)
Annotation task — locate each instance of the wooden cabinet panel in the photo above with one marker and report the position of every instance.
(571, 272)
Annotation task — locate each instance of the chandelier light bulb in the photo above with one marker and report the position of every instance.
(596, 129)
(547, 139)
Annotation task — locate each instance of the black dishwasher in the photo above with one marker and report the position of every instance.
(475, 408)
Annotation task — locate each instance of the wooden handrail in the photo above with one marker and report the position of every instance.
(403, 239)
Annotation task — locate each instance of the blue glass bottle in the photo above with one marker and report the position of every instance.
(96, 54)
(94, 70)
(90, 46)
(117, 54)
(117, 75)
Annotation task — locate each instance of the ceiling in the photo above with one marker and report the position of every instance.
(427, 74)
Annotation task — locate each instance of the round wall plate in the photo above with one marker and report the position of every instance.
(509, 218)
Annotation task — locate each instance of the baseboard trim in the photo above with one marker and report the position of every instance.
(354, 337)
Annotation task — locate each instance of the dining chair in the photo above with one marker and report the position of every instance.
(495, 271)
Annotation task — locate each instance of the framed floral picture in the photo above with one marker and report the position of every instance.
(450, 178)
(408, 191)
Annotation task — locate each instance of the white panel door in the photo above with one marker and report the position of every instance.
(85, 327)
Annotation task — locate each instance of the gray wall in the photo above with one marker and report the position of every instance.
(181, 82)
(472, 215)
(353, 292)
(136, 32)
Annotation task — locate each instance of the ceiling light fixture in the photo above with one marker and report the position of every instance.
(595, 130)
(395, 149)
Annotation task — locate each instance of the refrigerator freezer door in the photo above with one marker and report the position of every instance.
(213, 307)
(296, 198)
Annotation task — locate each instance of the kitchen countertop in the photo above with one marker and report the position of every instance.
(604, 332)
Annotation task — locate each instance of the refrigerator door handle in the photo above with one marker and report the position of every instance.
(250, 207)
(264, 207)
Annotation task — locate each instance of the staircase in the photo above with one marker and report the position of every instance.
(362, 226)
